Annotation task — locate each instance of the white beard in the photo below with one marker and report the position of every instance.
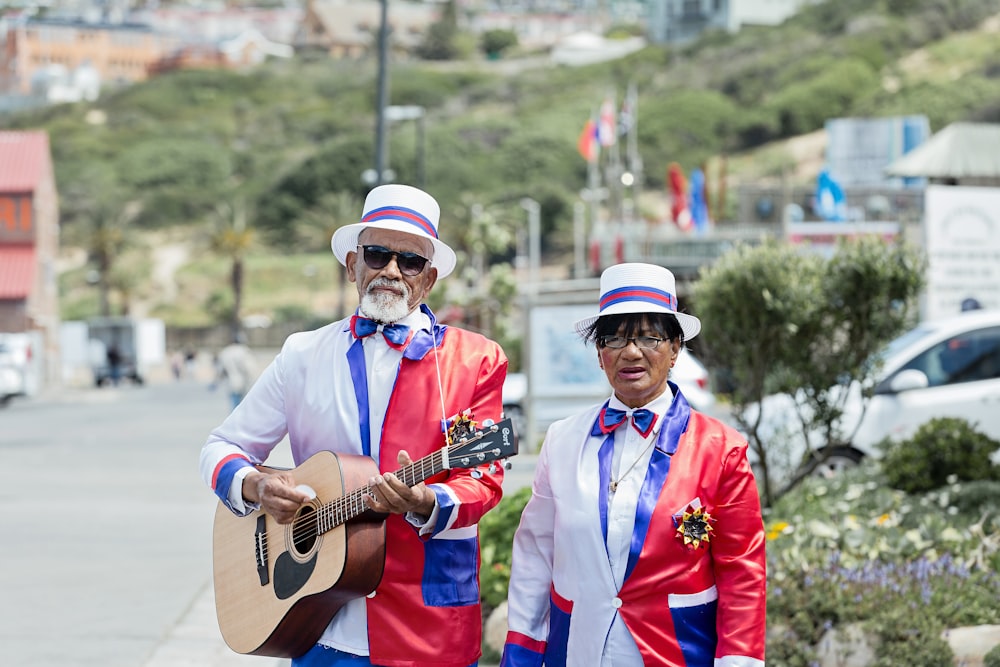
(383, 307)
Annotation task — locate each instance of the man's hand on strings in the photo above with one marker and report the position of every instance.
(277, 493)
(388, 495)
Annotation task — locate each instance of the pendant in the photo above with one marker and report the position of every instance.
(613, 486)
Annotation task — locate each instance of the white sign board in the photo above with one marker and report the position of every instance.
(564, 374)
(962, 242)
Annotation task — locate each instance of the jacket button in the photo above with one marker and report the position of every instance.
(616, 602)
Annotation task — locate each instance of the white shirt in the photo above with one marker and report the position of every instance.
(348, 631)
(620, 650)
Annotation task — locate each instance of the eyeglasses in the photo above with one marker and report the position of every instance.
(620, 342)
(378, 257)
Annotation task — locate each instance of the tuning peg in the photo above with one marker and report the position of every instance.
(493, 468)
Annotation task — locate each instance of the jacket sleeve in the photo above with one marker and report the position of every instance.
(528, 600)
(245, 439)
(738, 553)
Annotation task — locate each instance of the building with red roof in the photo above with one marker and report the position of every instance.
(29, 243)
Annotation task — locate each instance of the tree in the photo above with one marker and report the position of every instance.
(232, 239)
(784, 321)
(440, 41)
(102, 220)
(494, 42)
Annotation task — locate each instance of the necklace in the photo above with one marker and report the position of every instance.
(613, 486)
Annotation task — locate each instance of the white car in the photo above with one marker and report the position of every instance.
(688, 373)
(16, 366)
(942, 368)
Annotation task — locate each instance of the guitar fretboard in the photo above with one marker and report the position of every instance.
(352, 505)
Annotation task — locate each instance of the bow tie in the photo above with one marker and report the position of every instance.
(396, 335)
(642, 420)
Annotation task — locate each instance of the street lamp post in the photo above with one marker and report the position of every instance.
(382, 95)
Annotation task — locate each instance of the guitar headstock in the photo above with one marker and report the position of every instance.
(488, 443)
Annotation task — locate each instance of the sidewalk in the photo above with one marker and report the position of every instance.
(196, 642)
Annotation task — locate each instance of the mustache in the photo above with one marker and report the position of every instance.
(388, 283)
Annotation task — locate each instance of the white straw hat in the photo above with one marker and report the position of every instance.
(639, 288)
(401, 208)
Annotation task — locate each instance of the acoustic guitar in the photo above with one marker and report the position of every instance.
(278, 585)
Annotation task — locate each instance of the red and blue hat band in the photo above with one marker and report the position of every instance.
(644, 294)
(406, 215)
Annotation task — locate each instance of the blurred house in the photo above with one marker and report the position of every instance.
(683, 21)
(349, 28)
(29, 243)
(247, 48)
(69, 59)
(116, 53)
(212, 25)
(55, 83)
(221, 37)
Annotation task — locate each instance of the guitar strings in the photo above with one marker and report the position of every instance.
(344, 508)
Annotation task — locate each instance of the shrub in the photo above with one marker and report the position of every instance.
(941, 448)
(494, 42)
(496, 537)
(909, 635)
(992, 659)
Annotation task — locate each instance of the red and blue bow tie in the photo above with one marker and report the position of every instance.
(642, 420)
(396, 335)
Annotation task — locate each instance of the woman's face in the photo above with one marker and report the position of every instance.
(638, 375)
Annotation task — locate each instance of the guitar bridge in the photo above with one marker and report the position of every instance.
(260, 550)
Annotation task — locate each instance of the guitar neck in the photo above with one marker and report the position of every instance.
(353, 505)
(418, 471)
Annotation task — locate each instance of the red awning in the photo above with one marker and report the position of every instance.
(17, 271)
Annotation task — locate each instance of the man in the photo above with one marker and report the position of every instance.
(382, 383)
(236, 368)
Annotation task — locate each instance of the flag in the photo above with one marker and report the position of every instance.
(677, 185)
(698, 201)
(587, 144)
(830, 201)
(627, 115)
(606, 124)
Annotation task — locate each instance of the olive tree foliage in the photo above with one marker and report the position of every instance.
(784, 321)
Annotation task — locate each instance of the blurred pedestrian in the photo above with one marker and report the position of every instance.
(114, 364)
(177, 364)
(236, 368)
(642, 543)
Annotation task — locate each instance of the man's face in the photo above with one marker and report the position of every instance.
(387, 294)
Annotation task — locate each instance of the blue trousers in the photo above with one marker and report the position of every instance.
(323, 656)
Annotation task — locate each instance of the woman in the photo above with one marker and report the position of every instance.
(642, 543)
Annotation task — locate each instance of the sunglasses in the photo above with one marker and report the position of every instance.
(378, 257)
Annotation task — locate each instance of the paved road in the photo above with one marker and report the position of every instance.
(107, 529)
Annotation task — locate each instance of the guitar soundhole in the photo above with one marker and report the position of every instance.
(304, 530)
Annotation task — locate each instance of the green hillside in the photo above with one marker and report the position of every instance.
(170, 164)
